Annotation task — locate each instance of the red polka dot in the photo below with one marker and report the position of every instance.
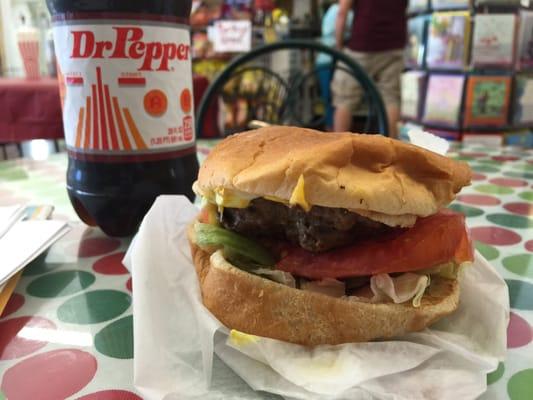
(17, 336)
(128, 285)
(52, 375)
(505, 158)
(111, 265)
(508, 182)
(94, 247)
(111, 395)
(478, 177)
(529, 245)
(13, 305)
(519, 208)
(519, 332)
(479, 199)
(472, 154)
(495, 235)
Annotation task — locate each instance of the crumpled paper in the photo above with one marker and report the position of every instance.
(176, 337)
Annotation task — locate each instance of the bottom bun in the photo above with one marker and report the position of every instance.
(258, 306)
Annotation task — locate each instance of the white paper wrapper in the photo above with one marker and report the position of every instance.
(176, 336)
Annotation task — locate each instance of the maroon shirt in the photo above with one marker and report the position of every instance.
(378, 25)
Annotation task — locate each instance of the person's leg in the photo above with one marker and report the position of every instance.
(393, 117)
(389, 67)
(346, 95)
(342, 118)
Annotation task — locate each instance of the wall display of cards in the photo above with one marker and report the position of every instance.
(443, 99)
(416, 39)
(413, 86)
(448, 40)
(493, 40)
(525, 40)
(416, 6)
(523, 100)
(487, 100)
(449, 4)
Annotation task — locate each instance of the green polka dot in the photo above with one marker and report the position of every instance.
(489, 162)
(493, 189)
(521, 264)
(60, 283)
(496, 375)
(116, 339)
(7, 164)
(520, 386)
(523, 167)
(526, 196)
(511, 220)
(13, 174)
(520, 294)
(484, 168)
(40, 266)
(514, 174)
(487, 251)
(466, 210)
(2, 396)
(463, 158)
(93, 307)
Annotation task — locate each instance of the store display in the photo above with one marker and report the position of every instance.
(128, 120)
(493, 41)
(416, 39)
(523, 100)
(487, 100)
(412, 93)
(443, 99)
(525, 40)
(449, 4)
(448, 40)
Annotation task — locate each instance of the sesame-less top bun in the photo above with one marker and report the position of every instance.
(353, 171)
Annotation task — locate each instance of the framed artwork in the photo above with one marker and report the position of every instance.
(448, 40)
(443, 99)
(416, 40)
(523, 100)
(487, 100)
(525, 40)
(494, 40)
(412, 93)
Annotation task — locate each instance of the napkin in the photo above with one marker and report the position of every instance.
(176, 337)
(23, 240)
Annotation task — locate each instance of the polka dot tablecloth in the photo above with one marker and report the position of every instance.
(66, 333)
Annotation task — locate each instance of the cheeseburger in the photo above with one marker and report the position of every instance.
(319, 238)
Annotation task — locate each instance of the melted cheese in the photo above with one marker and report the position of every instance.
(298, 195)
(240, 339)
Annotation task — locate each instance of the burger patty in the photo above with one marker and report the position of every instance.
(320, 229)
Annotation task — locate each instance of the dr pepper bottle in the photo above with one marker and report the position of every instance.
(124, 70)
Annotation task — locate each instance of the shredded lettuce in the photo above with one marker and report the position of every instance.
(246, 253)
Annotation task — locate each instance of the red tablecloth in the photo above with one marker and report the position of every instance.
(30, 109)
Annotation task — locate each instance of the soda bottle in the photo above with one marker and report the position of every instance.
(124, 69)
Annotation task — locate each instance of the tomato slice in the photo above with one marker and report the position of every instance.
(433, 240)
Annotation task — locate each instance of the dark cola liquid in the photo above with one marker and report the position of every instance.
(116, 197)
(111, 193)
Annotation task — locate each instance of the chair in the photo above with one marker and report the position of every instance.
(280, 83)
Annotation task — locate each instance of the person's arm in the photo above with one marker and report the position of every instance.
(340, 22)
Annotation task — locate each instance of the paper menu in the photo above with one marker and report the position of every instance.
(9, 215)
(493, 40)
(443, 99)
(175, 336)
